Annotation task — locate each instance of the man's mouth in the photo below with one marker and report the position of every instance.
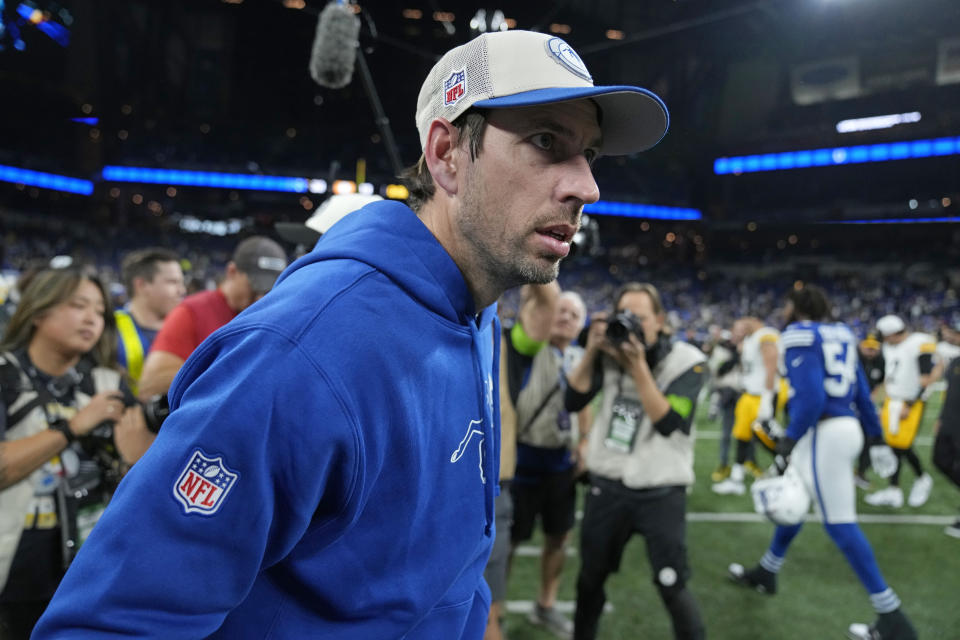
(561, 232)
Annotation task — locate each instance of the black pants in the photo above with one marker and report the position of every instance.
(17, 619)
(946, 454)
(728, 405)
(612, 514)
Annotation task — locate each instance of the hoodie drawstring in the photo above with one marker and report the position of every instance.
(488, 409)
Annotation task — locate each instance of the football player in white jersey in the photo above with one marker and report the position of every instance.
(759, 358)
(830, 415)
(908, 358)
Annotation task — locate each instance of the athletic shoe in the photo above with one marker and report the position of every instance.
(861, 482)
(729, 487)
(551, 620)
(953, 530)
(753, 469)
(889, 497)
(889, 626)
(920, 491)
(757, 578)
(721, 473)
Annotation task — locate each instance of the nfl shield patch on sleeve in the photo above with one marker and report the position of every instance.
(204, 484)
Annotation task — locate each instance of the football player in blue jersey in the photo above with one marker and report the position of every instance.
(822, 441)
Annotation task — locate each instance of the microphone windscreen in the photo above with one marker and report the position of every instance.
(335, 46)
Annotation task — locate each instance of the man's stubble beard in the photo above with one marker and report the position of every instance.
(506, 271)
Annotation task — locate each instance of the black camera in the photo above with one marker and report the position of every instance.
(622, 325)
(155, 411)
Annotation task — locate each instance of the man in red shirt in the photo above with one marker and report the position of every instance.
(256, 263)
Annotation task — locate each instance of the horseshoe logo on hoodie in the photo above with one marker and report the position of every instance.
(472, 430)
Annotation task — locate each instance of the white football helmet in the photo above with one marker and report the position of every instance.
(783, 499)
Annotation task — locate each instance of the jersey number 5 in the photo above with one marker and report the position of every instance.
(841, 368)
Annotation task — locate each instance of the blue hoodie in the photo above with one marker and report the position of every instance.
(329, 467)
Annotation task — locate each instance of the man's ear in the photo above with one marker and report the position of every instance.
(440, 154)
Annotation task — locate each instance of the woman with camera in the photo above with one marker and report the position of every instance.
(639, 453)
(61, 396)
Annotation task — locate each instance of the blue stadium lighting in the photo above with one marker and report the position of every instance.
(53, 181)
(838, 156)
(633, 210)
(58, 33)
(90, 121)
(144, 175)
(899, 221)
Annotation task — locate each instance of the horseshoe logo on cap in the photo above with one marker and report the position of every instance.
(566, 56)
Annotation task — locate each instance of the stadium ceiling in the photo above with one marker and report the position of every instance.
(223, 84)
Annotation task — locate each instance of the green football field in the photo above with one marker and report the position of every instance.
(818, 594)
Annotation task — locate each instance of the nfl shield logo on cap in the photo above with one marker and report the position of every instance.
(455, 87)
(203, 484)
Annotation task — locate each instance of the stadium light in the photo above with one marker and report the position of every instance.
(52, 181)
(857, 154)
(43, 21)
(171, 177)
(634, 210)
(145, 175)
(877, 122)
(397, 192)
(343, 187)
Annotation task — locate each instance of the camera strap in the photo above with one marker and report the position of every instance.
(80, 499)
(536, 414)
(58, 390)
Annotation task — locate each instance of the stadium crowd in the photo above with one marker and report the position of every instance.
(700, 305)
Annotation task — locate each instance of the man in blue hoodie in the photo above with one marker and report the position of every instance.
(329, 466)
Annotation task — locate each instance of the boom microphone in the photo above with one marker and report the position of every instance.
(335, 46)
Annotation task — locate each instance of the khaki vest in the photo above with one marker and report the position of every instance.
(545, 372)
(653, 460)
(508, 419)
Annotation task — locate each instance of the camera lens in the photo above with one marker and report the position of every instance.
(619, 328)
(155, 411)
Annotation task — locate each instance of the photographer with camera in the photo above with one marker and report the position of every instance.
(62, 401)
(639, 453)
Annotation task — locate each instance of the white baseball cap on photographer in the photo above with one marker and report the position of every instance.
(517, 68)
(324, 217)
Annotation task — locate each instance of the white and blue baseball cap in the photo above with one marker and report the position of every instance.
(517, 68)
(325, 216)
(889, 325)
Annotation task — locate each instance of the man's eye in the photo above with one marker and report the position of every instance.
(543, 141)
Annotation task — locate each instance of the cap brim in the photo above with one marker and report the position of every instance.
(634, 119)
(297, 233)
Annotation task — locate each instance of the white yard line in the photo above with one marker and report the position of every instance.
(563, 606)
(713, 434)
(867, 518)
(533, 551)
